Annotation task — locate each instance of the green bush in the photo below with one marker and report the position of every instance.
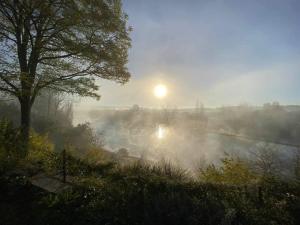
(232, 171)
(41, 156)
(9, 145)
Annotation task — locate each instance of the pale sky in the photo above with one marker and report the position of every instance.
(222, 52)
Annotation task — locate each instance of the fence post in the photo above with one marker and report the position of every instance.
(64, 161)
(260, 195)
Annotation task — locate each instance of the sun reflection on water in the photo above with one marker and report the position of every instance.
(161, 132)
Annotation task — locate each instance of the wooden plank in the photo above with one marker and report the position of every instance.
(48, 183)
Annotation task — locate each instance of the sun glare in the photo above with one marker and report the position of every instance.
(160, 91)
(161, 132)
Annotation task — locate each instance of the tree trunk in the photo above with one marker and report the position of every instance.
(25, 124)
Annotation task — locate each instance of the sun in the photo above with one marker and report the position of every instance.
(160, 91)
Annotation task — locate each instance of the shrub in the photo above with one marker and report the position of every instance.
(232, 171)
(41, 156)
(9, 145)
(162, 169)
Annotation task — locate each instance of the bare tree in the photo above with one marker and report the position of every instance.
(266, 159)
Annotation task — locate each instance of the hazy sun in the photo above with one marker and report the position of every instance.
(160, 91)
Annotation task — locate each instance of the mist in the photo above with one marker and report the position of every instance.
(149, 112)
(188, 136)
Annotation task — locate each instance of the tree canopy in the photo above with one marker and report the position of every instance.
(63, 45)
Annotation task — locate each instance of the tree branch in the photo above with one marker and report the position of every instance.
(8, 83)
(57, 57)
(8, 91)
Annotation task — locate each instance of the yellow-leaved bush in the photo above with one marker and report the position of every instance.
(233, 171)
(41, 156)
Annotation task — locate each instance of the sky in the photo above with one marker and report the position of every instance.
(219, 52)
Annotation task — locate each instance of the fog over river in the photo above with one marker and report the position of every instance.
(187, 137)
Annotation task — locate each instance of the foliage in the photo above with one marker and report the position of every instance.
(52, 40)
(162, 169)
(266, 160)
(9, 141)
(233, 171)
(85, 166)
(47, 44)
(143, 193)
(40, 158)
(150, 194)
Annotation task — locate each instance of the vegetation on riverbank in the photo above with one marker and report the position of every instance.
(104, 192)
